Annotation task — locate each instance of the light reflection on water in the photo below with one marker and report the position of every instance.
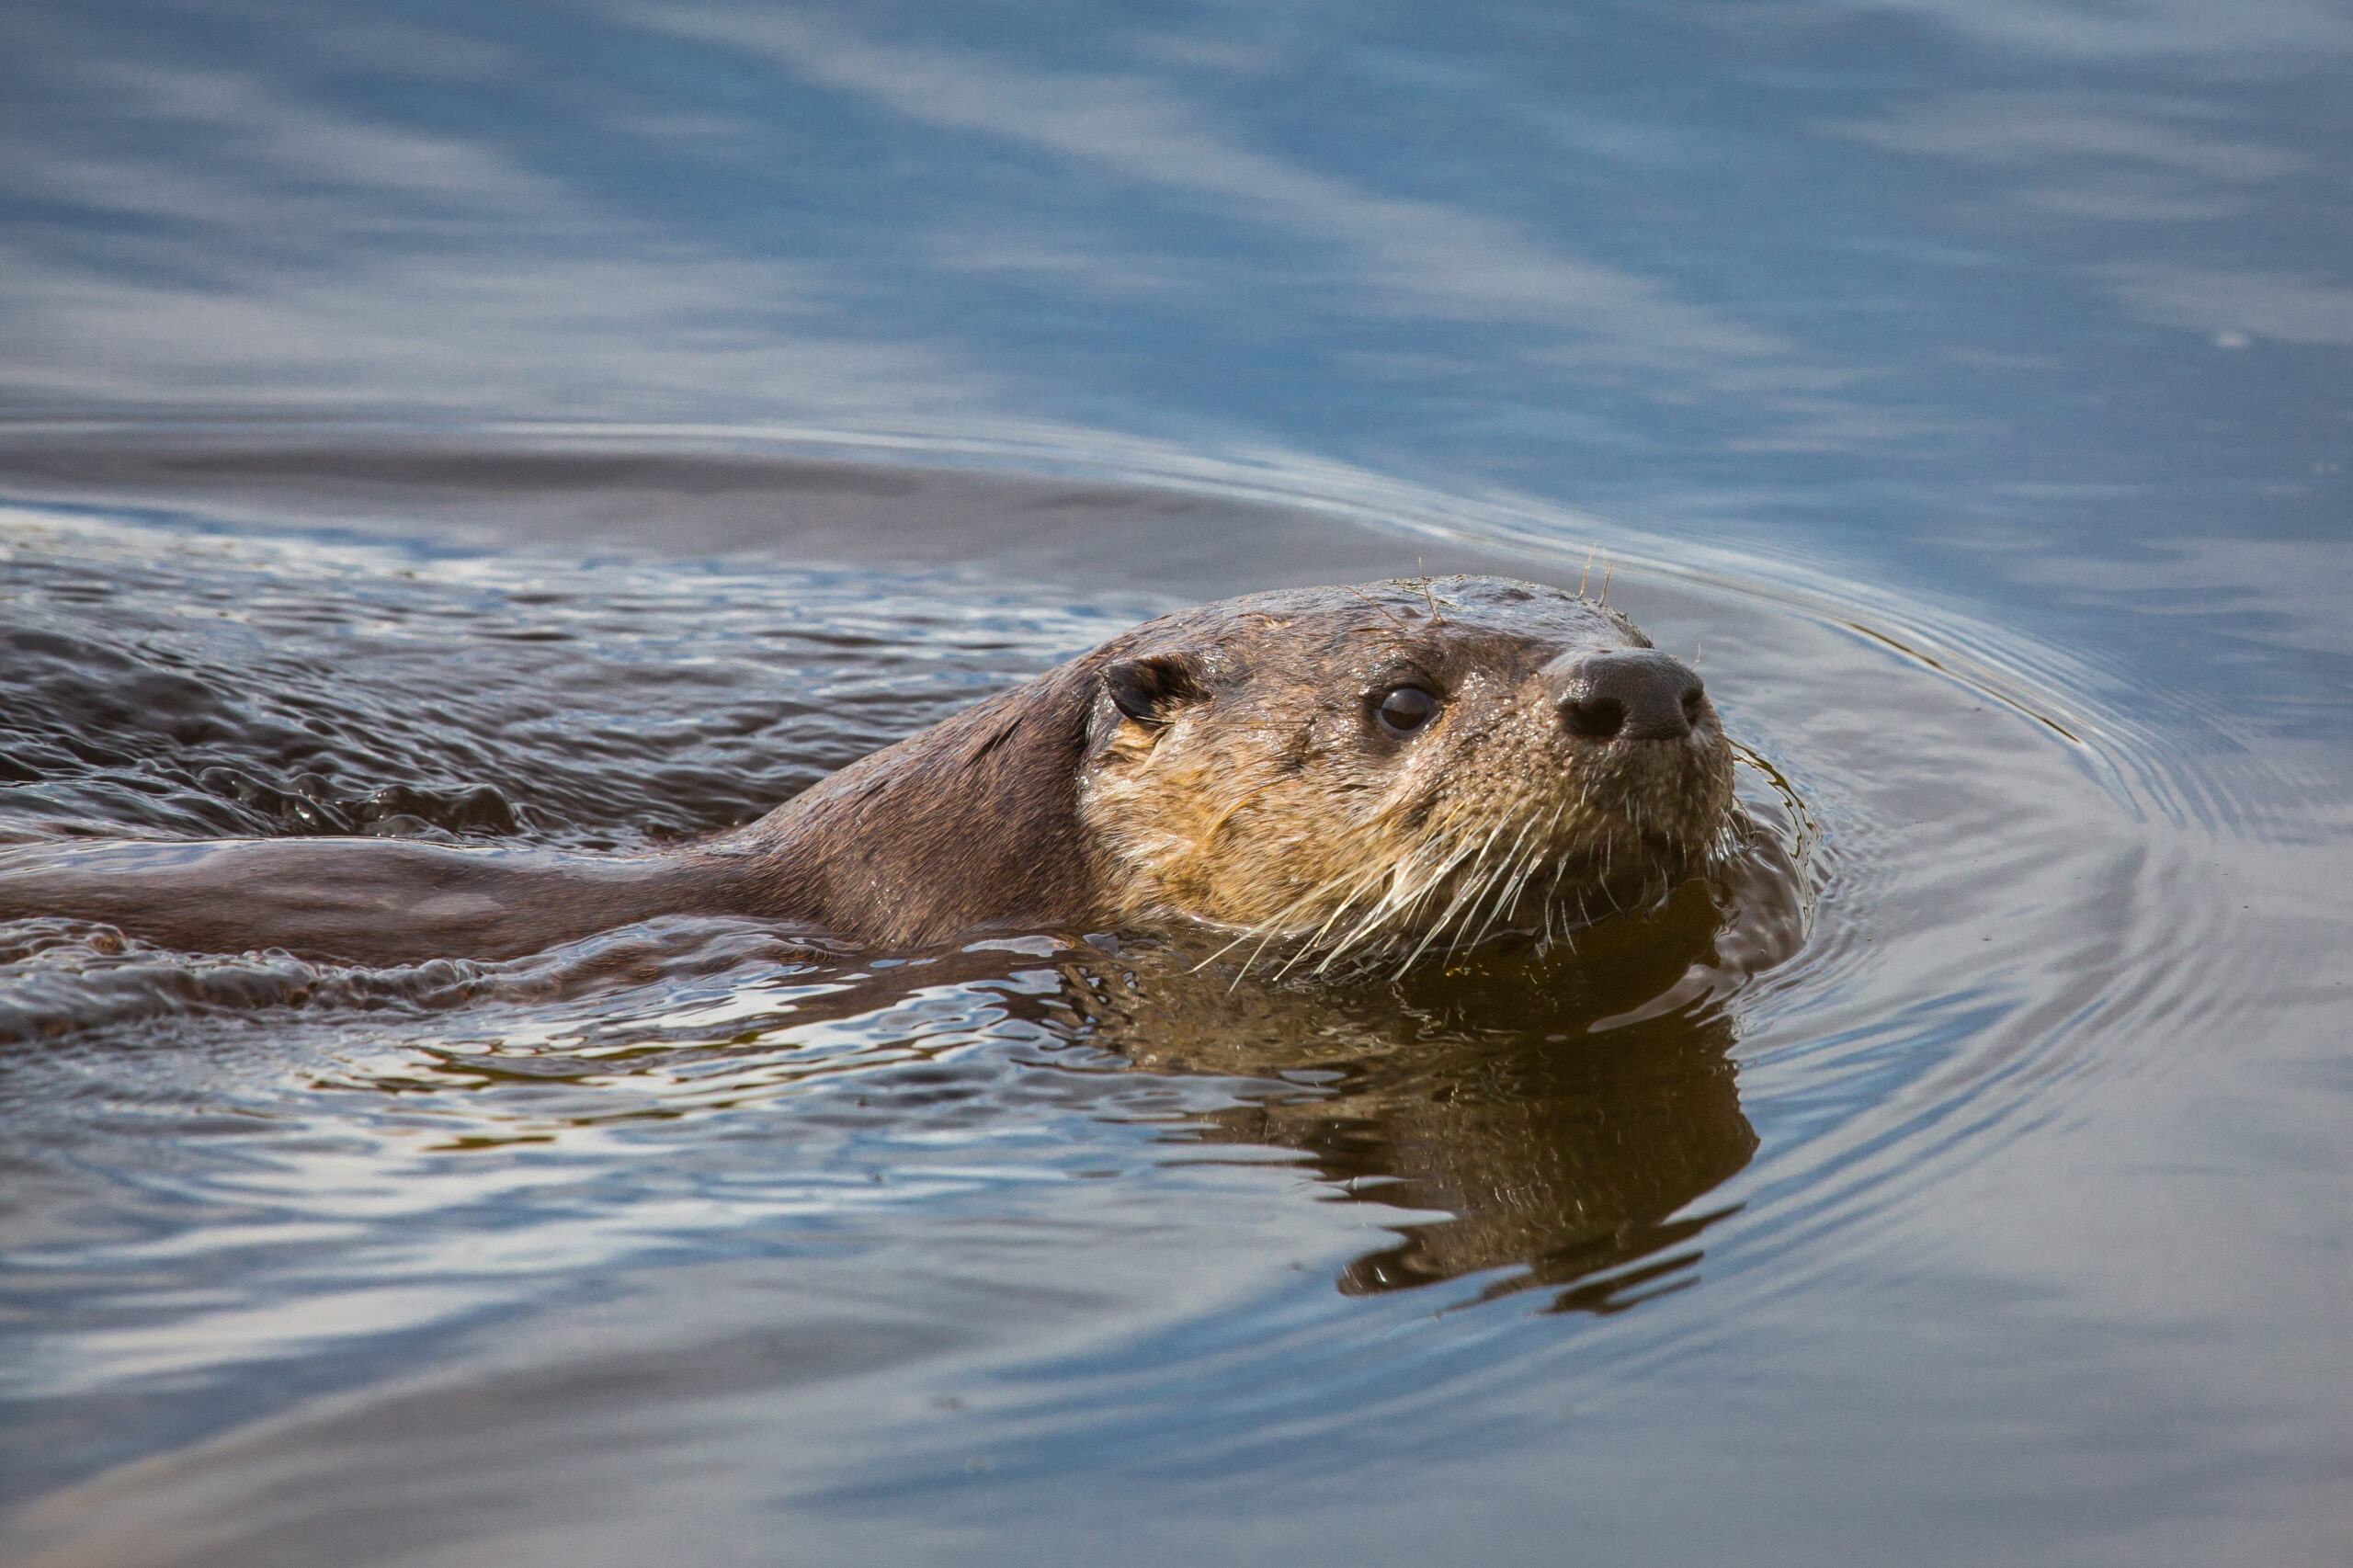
(1496, 243)
(600, 402)
(303, 1173)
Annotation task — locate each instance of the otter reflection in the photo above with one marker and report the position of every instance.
(1561, 1109)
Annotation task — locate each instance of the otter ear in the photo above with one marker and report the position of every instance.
(1151, 690)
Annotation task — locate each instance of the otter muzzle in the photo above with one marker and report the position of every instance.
(1628, 694)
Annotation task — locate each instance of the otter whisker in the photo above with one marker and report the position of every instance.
(1502, 880)
(1276, 926)
(1389, 904)
(1269, 930)
(1510, 887)
(1437, 930)
(1501, 900)
(1464, 890)
(1315, 835)
(1340, 912)
(1486, 876)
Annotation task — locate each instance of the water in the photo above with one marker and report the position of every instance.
(584, 428)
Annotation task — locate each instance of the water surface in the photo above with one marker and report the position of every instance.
(585, 427)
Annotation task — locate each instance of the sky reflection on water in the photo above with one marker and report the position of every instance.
(2026, 303)
(1571, 250)
(2022, 320)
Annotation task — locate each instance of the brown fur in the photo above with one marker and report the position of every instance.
(1275, 808)
(1221, 766)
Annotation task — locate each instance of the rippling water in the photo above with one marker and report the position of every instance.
(586, 428)
(244, 1182)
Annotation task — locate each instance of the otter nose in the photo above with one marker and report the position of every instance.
(1635, 694)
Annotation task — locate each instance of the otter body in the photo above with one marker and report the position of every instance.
(1369, 771)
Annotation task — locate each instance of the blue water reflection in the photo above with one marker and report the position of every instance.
(1626, 251)
(2023, 319)
(2023, 301)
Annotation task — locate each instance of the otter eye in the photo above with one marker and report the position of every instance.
(1405, 709)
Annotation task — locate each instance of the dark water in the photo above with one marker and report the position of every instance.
(584, 427)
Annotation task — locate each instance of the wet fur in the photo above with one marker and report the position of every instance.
(1275, 808)
(1219, 766)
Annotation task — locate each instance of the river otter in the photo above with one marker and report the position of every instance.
(1332, 775)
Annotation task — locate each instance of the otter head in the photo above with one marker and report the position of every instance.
(1381, 770)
